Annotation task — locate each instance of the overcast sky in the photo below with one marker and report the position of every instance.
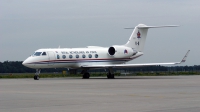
(28, 25)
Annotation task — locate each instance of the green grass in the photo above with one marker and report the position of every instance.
(52, 75)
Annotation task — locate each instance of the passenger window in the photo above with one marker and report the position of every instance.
(83, 55)
(70, 56)
(63, 56)
(58, 57)
(77, 56)
(44, 53)
(96, 55)
(90, 56)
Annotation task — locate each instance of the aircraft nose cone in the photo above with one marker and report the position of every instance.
(24, 63)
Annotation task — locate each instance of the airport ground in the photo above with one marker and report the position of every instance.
(99, 94)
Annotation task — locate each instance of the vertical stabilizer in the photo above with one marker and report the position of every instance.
(138, 36)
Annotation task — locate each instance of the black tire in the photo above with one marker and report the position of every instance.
(86, 76)
(110, 76)
(36, 77)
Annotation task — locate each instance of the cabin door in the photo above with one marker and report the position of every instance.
(51, 58)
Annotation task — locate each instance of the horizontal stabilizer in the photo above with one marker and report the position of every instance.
(144, 26)
(158, 26)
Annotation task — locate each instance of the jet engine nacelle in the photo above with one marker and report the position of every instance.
(121, 51)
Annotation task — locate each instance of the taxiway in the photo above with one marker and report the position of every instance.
(123, 94)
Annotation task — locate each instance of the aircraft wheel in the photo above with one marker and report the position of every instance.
(86, 76)
(110, 76)
(36, 77)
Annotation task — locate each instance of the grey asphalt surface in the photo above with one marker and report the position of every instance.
(123, 94)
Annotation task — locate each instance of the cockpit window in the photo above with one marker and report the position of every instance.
(37, 53)
(44, 53)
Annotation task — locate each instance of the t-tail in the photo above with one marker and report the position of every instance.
(138, 36)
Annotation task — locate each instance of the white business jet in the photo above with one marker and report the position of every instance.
(95, 57)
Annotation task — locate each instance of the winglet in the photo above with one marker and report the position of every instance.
(184, 58)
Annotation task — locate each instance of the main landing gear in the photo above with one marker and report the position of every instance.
(86, 75)
(110, 74)
(36, 76)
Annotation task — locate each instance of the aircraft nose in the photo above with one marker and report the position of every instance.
(24, 63)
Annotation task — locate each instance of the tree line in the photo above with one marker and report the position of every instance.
(17, 67)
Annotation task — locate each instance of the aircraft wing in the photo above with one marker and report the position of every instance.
(135, 65)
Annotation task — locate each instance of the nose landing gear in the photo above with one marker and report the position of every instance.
(36, 76)
(110, 74)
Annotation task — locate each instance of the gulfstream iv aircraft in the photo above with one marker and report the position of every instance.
(95, 57)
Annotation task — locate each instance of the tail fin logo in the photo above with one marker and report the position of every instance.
(138, 35)
(125, 51)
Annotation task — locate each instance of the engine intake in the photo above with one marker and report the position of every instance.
(111, 51)
(121, 51)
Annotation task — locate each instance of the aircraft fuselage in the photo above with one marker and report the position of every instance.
(78, 57)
